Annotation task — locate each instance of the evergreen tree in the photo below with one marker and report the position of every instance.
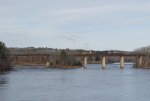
(63, 57)
(4, 57)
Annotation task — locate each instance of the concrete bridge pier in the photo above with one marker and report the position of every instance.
(85, 61)
(122, 62)
(103, 61)
(140, 61)
(47, 64)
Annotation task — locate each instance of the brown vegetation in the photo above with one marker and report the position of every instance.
(146, 58)
(64, 60)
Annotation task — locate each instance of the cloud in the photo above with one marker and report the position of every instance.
(68, 21)
(72, 38)
(67, 14)
(68, 37)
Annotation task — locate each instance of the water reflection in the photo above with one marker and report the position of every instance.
(3, 79)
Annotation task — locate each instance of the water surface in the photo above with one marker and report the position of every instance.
(92, 84)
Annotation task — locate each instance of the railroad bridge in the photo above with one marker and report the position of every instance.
(42, 59)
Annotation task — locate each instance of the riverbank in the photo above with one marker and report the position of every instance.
(43, 65)
(63, 66)
(145, 67)
(5, 67)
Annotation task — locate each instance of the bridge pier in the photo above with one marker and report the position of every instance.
(103, 61)
(47, 64)
(122, 62)
(45, 58)
(85, 61)
(140, 61)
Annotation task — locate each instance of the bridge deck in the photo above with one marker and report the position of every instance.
(87, 54)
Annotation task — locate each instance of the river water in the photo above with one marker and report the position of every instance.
(92, 84)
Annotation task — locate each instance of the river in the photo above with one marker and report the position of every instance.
(92, 84)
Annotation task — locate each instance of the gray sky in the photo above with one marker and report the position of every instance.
(86, 24)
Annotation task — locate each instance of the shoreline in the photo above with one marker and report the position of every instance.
(56, 66)
(62, 66)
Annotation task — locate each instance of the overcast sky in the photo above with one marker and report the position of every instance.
(85, 24)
